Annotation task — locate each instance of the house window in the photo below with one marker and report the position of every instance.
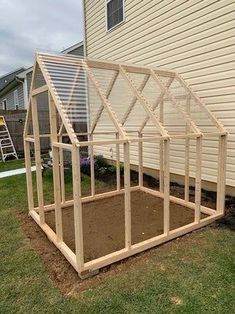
(4, 104)
(114, 13)
(16, 99)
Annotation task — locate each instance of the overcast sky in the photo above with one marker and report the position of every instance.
(27, 26)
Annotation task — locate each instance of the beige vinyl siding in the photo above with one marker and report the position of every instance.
(196, 39)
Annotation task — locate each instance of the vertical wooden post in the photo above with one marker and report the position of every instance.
(187, 153)
(78, 228)
(127, 195)
(28, 175)
(140, 157)
(37, 149)
(166, 186)
(198, 179)
(221, 178)
(118, 164)
(92, 166)
(56, 170)
(62, 187)
(161, 152)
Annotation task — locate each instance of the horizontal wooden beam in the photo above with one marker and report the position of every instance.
(39, 90)
(105, 142)
(112, 65)
(62, 145)
(29, 139)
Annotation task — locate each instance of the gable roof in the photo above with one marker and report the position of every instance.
(65, 77)
(73, 47)
(9, 77)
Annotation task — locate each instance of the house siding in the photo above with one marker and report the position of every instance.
(195, 38)
(78, 51)
(10, 97)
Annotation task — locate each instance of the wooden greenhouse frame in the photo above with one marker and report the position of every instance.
(53, 74)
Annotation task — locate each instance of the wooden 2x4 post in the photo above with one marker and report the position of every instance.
(127, 195)
(37, 148)
(56, 170)
(77, 195)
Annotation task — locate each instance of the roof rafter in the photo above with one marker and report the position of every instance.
(101, 108)
(105, 101)
(144, 102)
(175, 104)
(58, 103)
(134, 100)
(159, 99)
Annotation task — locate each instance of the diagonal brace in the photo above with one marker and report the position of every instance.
(105, 102)
(101, 108)
(159, 99)
(175, 104)
(144, 102)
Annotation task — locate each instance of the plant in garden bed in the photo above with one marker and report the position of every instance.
(103, 170)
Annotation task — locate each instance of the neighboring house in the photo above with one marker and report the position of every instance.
(15, 86)
(195, 38)
(11, 91)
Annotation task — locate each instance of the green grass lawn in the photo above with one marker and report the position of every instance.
(194, 274)
(11, 165)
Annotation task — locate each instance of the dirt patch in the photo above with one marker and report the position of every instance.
(104, 222)
(147, 217)
(60, 271)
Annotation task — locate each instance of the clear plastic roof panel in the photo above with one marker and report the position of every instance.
(121, 98)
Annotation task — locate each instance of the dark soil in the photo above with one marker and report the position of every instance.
(104, 233)
(103, 222)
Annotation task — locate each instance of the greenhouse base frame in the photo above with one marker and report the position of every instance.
(76, 259)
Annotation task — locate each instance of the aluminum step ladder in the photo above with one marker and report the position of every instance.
(7, 147)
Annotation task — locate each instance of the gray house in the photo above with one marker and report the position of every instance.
(12, 91)
(15, 86)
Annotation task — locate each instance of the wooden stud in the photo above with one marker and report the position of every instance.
(127, 195)
(221, 178)
(92, 166)
(161, 151)
(166, 168)
(187, 154)
(28, 175)
(140, 160)
(198, 179)
(78, 225)
(37, 149)
(56, 170)
(118, 178)
(62, 187)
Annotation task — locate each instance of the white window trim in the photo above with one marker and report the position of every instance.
(16, 98)
(3, 105)
(106, 16)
